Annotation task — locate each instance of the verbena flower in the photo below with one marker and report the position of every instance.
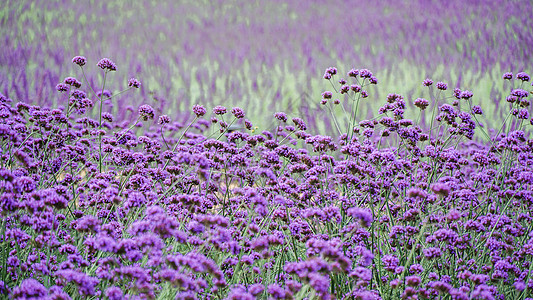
(106, 64)
(199, 110)
(79, 60)
(237, 112)
(133, 82)
(146, 112)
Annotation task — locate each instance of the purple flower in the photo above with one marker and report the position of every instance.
(441, 286)
(442, 86)
(281, 116)
(134, 83)
(164, 119)
(327, 95)
(416, 269)
(57, 293)
(276, 291)
(427, 82)
(365, 73)
(522, 76)
(107, 116)
(353, 73)
(146, 112)
(412, 280)
(199, 110)
(107, 64)
(441, 189)
(421, 103)
(390, 262)
(24, 184)
(114, 293)
(523, 114)
(72, 82)
(299, 123)
(466, 94)
(519, 285)
(520, 93)
(319, 282)
(508, 76)
(87, 224)
(364, 215)
(432, 252)
(29, 289)
(330, 72)
(362, 273)
(237, 112)
(79, 60)
(219, 110)
(62, 87)
(256, 289)
(476, 110)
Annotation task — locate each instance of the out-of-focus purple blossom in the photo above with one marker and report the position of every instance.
(280, 116)
(299, 123)
(114, 293)
(163, 119)
(476, 110)
(330, 72)
(62, 87)
(146, 112)
(219, 110)
(520, 93)
(276, 291)
(72, 82)
(327, 95)
(364, 215)
(30, 289)
(522, 76)
(133, 82)
(390, 262)
(466, 94)
(442, 86)
(441, 189)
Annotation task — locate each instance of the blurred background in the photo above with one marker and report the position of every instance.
(263, 56)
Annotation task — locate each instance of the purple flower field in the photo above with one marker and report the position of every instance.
(150, 172)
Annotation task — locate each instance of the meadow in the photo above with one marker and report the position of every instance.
(266, 150)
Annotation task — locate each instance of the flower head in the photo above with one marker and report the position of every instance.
(199, 110)
(134, 83)
(73, 82)
(164, 119)
(508, 76)
(62, 87)
(146, 112)
(442, 86)
(79, 60)
(238, 112)
(219, 110)
(522, 76)
(107, 64)
(281, 116)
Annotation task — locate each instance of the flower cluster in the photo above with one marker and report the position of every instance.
(118, 210)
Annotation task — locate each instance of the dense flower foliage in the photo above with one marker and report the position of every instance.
(206, 209)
